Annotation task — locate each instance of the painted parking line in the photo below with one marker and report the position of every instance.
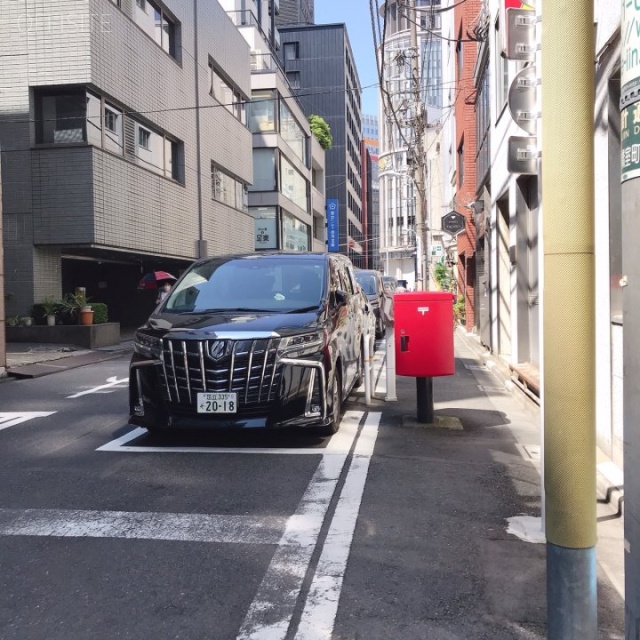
(319, 614)
(270, 614)
(10, 419)
(339, 444)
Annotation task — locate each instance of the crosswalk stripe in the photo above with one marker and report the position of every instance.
(184, 527)
(12, 418)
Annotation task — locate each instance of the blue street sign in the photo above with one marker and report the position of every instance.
(333, 225)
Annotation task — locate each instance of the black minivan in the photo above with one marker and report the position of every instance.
(247, 341)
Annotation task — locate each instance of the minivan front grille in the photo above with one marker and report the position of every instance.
(247, 367)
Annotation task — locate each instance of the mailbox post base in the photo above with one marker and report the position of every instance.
(424, 395)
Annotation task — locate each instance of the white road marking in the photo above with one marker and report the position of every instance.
(10, 419)
(184, 527)
(270, 613)
(269, 616)
(321, 607)
(112, 383)
(339, 444)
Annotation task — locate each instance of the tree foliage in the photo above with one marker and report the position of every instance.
(321, 131)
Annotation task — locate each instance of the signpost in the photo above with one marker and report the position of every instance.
(453, 223)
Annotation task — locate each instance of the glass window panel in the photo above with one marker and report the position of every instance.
(293, 184)
(262, 112)
(295, 233)
(94, 121)
(292, 132)
(266, 227)
(264, 170)
(63, 118)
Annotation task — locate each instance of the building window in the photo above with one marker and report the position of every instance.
(290, 51)
(228, 190)
(262, 112)
(266, 227)
(292, 132)
(226, 94)
(113, 129)
(159, 153)
(144, 137)
(264, 170)
(62, 118)
(461, 164)
(293, 185)
(294, 79)
(110, 120)
(155, 22)
(295, 233)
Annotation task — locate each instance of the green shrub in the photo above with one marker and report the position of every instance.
(100, 312)
(443, 277)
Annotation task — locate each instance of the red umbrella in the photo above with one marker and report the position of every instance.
(151, 280)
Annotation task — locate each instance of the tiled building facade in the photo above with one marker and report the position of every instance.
(125, 145)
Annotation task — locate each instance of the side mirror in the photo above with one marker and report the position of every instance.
(340, 297)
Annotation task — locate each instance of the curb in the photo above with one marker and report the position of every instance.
(45, 368)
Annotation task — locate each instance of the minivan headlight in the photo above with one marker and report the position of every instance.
(147, 345)
(302, 345)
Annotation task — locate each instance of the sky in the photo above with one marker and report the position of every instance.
(357, 16)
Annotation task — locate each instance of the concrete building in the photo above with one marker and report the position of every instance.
(287, 197)
(371, 145)
(125, 145)
(295, 12)
(320, 67)
(397, 122)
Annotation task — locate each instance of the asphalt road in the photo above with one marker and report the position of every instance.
(387, 530)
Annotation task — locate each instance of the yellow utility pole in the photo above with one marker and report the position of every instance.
(568, 99)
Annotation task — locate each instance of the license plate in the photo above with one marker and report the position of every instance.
(217, 403)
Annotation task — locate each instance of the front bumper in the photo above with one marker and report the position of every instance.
(300, 400)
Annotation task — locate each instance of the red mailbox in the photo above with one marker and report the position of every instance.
(423, 327)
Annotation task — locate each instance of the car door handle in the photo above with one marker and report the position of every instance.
(404, 343)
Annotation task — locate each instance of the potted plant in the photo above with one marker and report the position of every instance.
(49, 307)
(77, 305)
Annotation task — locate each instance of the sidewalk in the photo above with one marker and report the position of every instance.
(474, 481)
(34, 360)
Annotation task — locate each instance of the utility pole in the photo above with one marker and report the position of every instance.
(568, 98)
(418, 156)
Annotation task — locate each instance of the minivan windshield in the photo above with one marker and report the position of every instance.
(367, 282)
(263, 283)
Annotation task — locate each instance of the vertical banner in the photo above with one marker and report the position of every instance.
(630, 91)
(630, 53)
(333, 225)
